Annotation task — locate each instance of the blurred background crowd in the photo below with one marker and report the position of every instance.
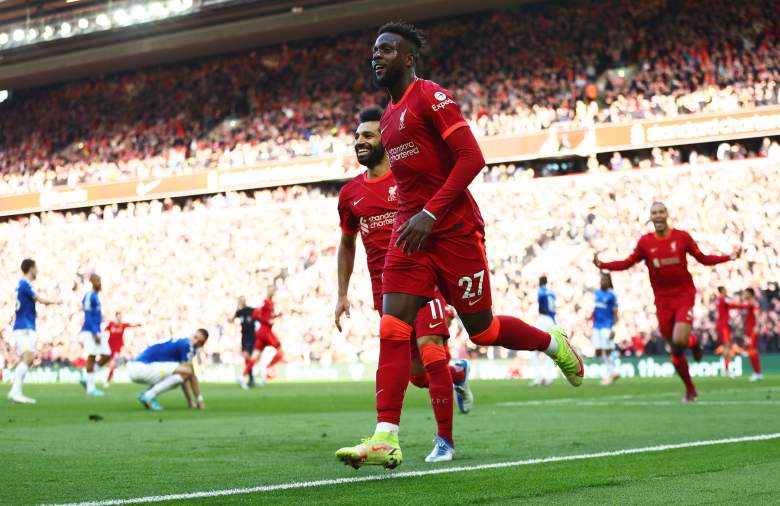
(174, 265)
(549, 65)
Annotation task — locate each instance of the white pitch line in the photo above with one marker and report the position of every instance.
(414, 474)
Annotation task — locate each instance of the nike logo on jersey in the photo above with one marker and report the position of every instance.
(355, 203)
(434, 325)
(472, 302)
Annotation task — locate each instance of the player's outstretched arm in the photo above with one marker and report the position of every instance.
(620, 265)
(46, 301)
(345, 258)
(195, 384)
(704, 259)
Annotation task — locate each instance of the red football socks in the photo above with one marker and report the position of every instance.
(753, 354)
(434, 358)
(250, 363)
(515, 334)
(681, 366)
(277, 358)
(110, 376)
(458, 373)
(392, 373)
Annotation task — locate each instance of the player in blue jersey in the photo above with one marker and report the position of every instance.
(167, 364)
(544, 372)
(605, 315)
(95, 340)
(24, 328)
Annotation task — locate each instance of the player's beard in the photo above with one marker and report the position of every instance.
(373, 157)
(388, 79)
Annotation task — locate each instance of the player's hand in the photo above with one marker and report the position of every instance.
(596, 260)
(737, 253)
(342, 308)
(413, 233)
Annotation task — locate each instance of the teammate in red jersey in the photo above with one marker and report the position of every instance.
(438, 237)
(368, 204)
(116, 340)
(264, 337)
(751, 308)
(665, 254)
(723, 307)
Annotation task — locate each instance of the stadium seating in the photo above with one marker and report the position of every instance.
(173, 268)
(513, 73)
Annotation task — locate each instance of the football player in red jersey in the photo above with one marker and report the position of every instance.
(723, 309)
(116, 340)
(665, 252)
(368, 204)
(264, 337)
(437, 240)
(751, 308)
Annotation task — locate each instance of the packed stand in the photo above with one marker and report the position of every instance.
(174, 267)
(653, 59)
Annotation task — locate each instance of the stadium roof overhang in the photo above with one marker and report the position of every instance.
(243, 26)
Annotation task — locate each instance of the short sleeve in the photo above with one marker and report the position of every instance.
(28, 291)
(443, 112)
(347, 220)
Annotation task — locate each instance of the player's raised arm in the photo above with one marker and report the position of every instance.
(635, 257)
(346, 265)
(695, 252)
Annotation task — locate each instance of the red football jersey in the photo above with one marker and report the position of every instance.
(116, 332)
(414, 132)
(667, 262)
(265, 313)
(369, 206)
(751, 307)
(723, 309)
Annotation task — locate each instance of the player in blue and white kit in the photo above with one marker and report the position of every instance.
(605, 314)
(24, 328)
(544, 373)
(95, 340)
(167, 364)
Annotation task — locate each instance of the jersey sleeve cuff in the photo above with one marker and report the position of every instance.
(347, 231)
(452, 128)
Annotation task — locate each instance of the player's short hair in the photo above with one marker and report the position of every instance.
(608, 275)
(750, 291)
(542, 280)
(204, 333)
(373, 113)
(657, 203)
(27, 264)
(721, 288)
(408, 31)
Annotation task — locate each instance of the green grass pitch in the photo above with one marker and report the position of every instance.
(286, 433)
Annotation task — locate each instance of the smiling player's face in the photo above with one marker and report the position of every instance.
(389, 59)
(660, 217)
(368, 144)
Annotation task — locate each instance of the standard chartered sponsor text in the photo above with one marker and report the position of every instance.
(381, 220)
(714, 127)
(402, 151)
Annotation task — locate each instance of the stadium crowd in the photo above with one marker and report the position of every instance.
(514, 72)
(174, 266)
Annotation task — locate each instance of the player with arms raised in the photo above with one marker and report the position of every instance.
(665, 252)
(437, 240)
(368, 204)
(24, 329)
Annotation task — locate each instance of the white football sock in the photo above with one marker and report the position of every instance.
(552, 349)
(90, 381)
(163, 385)
(386, 427)
(19, 373)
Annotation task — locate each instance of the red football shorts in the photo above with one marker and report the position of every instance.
(266, 337)
(671, 311)
(457, 265)
(115, 347)
(724, 332)
(430, 319)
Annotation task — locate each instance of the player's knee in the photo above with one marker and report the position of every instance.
(419, 380)
(488, 336)
(394, 329)
(432, 353)
(426, 340)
